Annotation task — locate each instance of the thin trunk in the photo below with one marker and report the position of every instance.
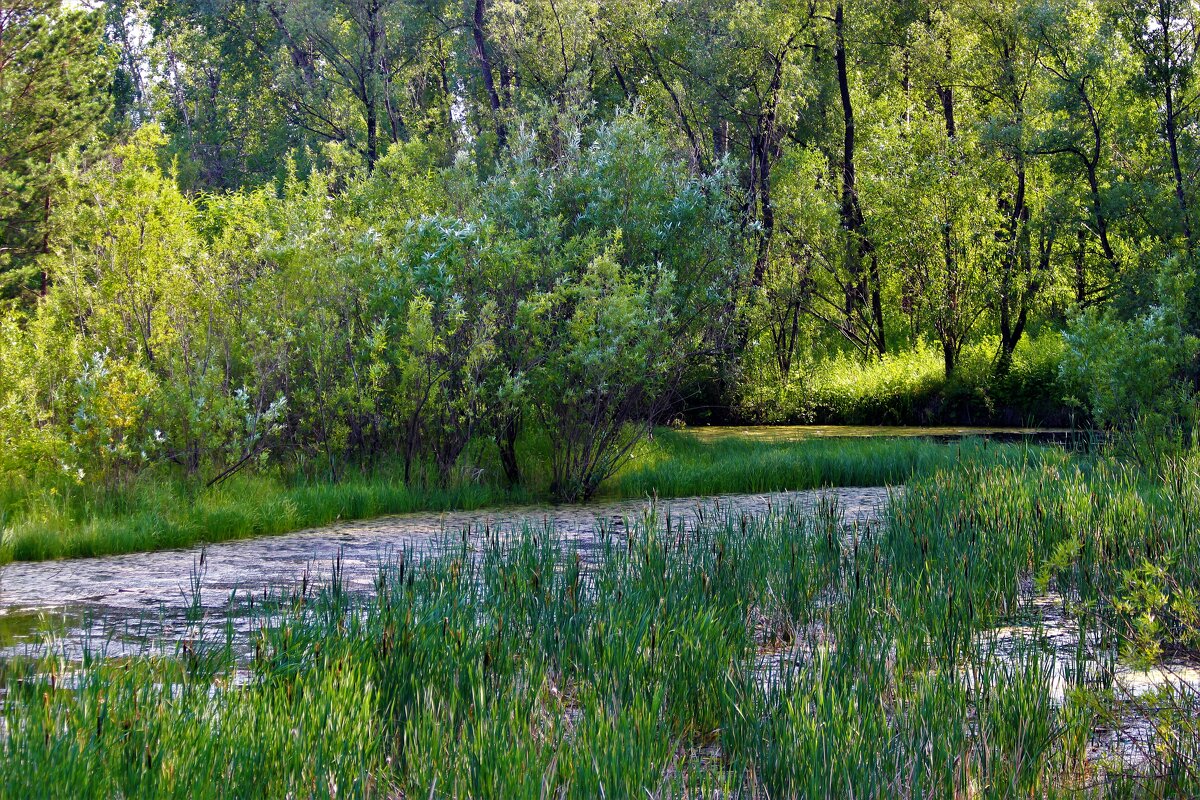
(1165, 20)
(485, 70)
(369, 83)
(1176, 169)
(1099, 216)
(1080, 269)
(767, 212)
(372, 133)
(864, 282)
(1093, 164)
(948, 329)
(506, 442)
(301, 58)
(1015, 262)
(1013, 302)
(396, 130)
(697, 152)
(763, 152)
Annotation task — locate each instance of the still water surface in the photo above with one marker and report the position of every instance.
(125, 600)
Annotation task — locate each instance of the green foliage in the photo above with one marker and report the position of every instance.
(54, 75)
(1136, 376)
(324, 238)
(912, 388)
(213, 332)
(610, 357)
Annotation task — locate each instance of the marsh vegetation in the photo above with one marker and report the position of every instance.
(274, 265)
(779, 654)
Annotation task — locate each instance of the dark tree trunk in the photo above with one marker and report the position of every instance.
(949, 329)
(485, 71)
(766, 208)
(506, 442)
(865, 282)
(949, 355)
(1081, 288)
(1092, 165)
(371, 81)
(372, 134)
(1176, 169)
(1013, 303)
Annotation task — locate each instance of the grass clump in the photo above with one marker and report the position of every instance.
(684, 464)
(161, 514)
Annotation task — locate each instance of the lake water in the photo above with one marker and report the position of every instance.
(121, 603)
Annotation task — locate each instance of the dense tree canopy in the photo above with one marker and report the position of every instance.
(54, 81)
(343, 230)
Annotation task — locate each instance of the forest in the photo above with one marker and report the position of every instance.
(609, 398)
(326, 235)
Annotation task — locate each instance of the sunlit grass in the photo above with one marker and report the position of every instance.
(690, 463)
(68, 520)
(910, 387)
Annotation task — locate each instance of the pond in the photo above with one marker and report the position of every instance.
(121, 603)
(127, 601)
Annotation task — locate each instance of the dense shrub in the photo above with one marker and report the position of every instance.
(1138, 376)
(402, 313)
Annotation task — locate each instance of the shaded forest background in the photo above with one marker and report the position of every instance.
(326, 234)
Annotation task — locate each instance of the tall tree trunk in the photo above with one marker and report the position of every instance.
(301, 58)
(485, 70)
(1013, 302)
(1176, 169)
(1081, 289)
(866, 282)
(370, 82)
(766, 208)
(1166, 21)
(372, 133)
(948, 328)
(1092, 165)
(949, 355)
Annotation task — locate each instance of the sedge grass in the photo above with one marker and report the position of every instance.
(769, 656)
